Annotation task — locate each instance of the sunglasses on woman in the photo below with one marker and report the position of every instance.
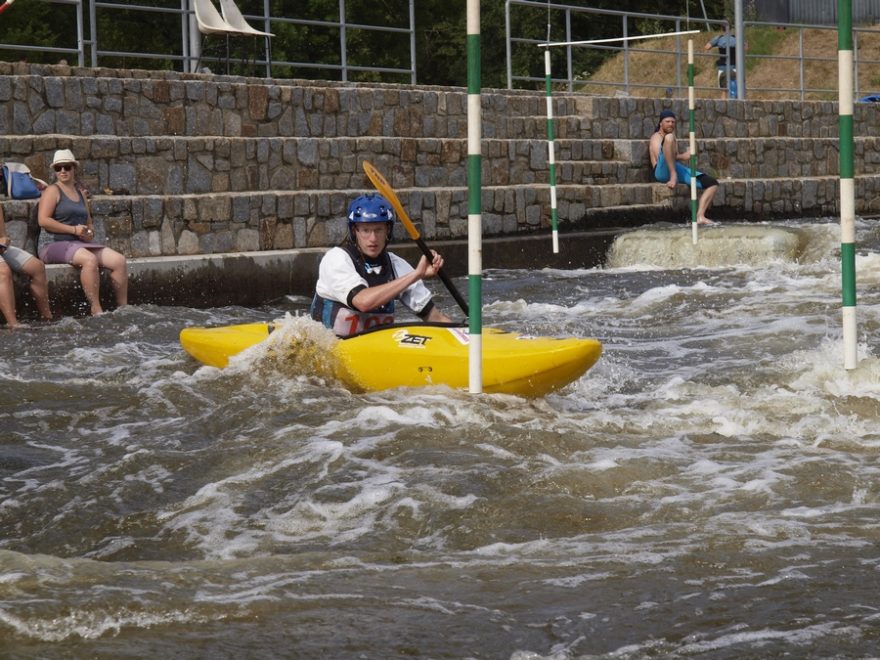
(60, 168)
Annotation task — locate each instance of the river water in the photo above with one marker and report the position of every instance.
(709, 489)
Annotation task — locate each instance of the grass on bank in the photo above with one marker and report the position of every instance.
(773, 64)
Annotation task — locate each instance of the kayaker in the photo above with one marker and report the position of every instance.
(668, 167)
(360, 281)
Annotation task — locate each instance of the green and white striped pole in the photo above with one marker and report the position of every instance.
(551, 152)
(847, 182)
(554, 215)
(475, 191)
(692, 124)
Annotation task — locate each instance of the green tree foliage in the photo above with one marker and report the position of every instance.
(41, 26)
(307, 36)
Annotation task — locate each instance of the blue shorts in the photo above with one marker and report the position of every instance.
(661, 173)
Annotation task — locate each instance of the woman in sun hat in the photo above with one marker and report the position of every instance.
(64, 215)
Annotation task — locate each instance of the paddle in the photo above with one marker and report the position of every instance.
(388, 193)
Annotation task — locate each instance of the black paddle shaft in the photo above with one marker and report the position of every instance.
(444, 277)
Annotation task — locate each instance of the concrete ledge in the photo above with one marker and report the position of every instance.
(253, 278)
(216, 280)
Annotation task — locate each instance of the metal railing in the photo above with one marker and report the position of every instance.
(627, 20)
(86, 39)
(77, 49)
(671, 79)
(803, 89)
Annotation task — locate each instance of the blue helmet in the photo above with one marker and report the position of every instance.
(371, 207)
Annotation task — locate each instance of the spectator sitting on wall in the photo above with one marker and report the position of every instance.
(13, 259)
(668, 168)
(64, 215)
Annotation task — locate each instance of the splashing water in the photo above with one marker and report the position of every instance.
(708, 488)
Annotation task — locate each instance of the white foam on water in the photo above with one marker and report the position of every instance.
(362, 494)
(577, 581)
(800, 637)
(94, 623)
(716, 451)
(210, 517)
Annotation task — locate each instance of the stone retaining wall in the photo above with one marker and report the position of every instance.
(185, 164)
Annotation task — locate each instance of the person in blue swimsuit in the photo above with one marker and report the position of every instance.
(668, 165)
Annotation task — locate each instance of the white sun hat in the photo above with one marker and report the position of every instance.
(63, 156)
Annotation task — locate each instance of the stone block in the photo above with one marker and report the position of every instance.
(139, 244)
(283, 239)
(188, 243)
(247, 240)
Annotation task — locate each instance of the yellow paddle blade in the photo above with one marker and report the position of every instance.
(381, 184)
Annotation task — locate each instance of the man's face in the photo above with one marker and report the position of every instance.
(371, 237)
(667, 125)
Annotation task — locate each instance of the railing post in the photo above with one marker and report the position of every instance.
(856, 63)
(186, 64)
(412, 41)
(342, 38)
(678, 57)
(801, 76)
(267, 27)
(625, 57)
(80, 38)
(740, 32)
(195, 40)
(570, 65)
(507, 39)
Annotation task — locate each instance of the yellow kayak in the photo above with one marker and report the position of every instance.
(416, 355)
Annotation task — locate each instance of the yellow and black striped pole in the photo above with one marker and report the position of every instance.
(692, 139)
(847, 182)
(475, 192)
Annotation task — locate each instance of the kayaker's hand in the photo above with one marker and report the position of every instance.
(431, 268)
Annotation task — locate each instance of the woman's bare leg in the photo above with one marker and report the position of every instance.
(7, 295)
(118, 267)
(36, 270)
(90, 277)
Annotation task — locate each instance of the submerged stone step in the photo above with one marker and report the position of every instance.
(718, 245)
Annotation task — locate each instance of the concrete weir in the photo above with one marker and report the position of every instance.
(719, 245)
(253, 278)
(209, 280)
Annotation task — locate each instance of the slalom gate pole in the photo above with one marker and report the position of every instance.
(847, 182)
(475, 192)
(693, 140)
(554, 216)
(551, 153)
